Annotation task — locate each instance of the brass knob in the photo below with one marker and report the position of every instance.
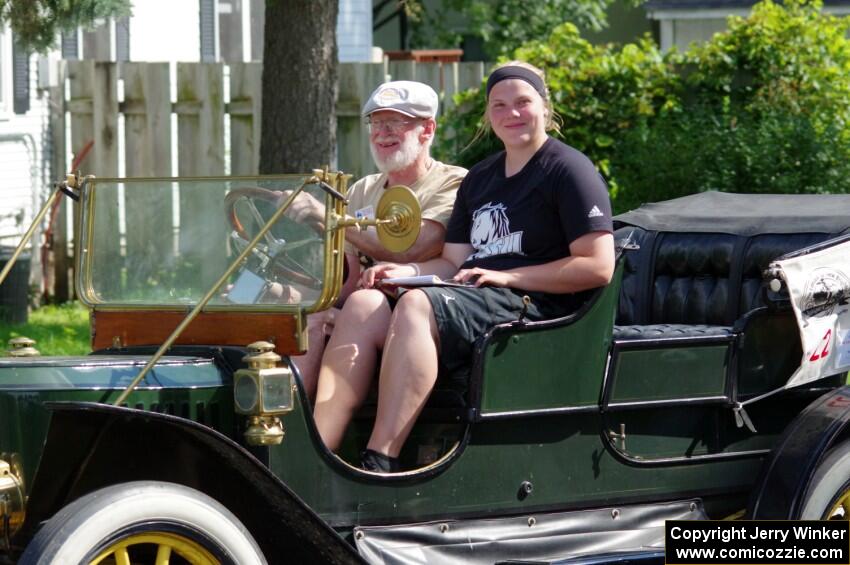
(261, 355)
(22, 347)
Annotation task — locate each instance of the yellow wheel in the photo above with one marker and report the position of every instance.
(840, 510)
(144, 523)
(164, 547)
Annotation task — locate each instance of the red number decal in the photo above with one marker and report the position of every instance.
(839, 402)
(825, 350)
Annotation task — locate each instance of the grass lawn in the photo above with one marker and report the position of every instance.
(57, 330)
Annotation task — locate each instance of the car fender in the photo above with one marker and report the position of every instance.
(90, 446)
(787, 472)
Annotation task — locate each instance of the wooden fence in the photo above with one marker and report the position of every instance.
(217, 114)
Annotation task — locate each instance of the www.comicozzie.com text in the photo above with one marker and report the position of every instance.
(757, 532)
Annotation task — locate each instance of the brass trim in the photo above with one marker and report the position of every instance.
(203, 178)
(334, 244)
(22, 347)
(264, 430)
(398, 219)
(83, 237)
(12, 496)
(399, 205)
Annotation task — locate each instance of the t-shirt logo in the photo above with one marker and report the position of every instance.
(491, 232)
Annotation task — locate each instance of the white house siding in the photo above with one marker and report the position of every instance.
(354, 31)
(680, 25)
(685, 32)
(25, 175)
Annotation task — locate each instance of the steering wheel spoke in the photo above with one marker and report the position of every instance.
(276, 253)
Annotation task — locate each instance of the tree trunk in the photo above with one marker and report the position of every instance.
(299, 86)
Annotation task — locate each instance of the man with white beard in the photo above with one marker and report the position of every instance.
(400, 118)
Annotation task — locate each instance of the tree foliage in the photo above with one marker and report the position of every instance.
(762, 107)
(504, 25)
(37, 23)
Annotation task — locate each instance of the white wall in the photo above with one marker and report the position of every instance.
(165, 30)
(354, 31)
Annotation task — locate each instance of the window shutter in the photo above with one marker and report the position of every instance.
(207, 21)
(122, 39)
(20, 79)
(71, 45)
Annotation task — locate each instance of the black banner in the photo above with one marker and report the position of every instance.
(757, 542)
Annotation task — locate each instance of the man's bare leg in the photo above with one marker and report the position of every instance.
(349, 363)
(319, 326)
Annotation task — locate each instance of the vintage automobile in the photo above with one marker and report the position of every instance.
(676, 392)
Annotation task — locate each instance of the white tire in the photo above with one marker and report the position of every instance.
(829, 489)
(137, 512)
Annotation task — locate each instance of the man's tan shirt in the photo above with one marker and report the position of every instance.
(436, 191)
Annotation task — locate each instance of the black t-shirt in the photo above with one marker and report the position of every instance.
(531, 217)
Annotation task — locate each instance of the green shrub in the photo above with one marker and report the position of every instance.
(763, 107)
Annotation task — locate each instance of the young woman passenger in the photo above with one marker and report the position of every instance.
(534, 219)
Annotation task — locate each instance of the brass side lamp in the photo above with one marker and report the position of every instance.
(12, 497)
(263, 392)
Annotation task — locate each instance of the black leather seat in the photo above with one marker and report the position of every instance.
(695, 284)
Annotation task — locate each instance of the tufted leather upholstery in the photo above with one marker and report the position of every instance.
(762, 249)
(692, 278)
(696, 279)
(657, 331)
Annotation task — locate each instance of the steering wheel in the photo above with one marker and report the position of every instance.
(283, 266)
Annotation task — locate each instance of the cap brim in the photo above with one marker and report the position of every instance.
(396, 110)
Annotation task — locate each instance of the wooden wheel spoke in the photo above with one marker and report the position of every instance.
(845, 507)
(163, 555)
(122, 556)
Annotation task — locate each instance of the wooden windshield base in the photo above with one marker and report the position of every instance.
(152, 327)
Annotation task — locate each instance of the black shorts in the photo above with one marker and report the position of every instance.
(465, 314)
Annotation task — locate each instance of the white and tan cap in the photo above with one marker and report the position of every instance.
(410, 98)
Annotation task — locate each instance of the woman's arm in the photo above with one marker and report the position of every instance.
(445, 266)
(590, 265)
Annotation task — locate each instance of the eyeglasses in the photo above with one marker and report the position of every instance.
(391, 126)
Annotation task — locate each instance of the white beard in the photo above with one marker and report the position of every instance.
(404, 156)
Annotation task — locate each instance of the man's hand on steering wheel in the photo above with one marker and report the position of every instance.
(283, 265)
(305, 209)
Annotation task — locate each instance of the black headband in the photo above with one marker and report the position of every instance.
(521, 73)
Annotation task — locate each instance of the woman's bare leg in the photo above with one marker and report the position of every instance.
(349, 363)
(408, 372)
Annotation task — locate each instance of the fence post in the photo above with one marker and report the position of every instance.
(57, 286)
(200, 150)
(245, 117)
(94, 118)
(147, 153)
(356, 83)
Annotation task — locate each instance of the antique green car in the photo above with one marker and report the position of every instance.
(688, 388)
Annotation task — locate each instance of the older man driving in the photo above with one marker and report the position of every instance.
(400, 118)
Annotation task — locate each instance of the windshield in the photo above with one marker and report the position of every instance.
(166, 242)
